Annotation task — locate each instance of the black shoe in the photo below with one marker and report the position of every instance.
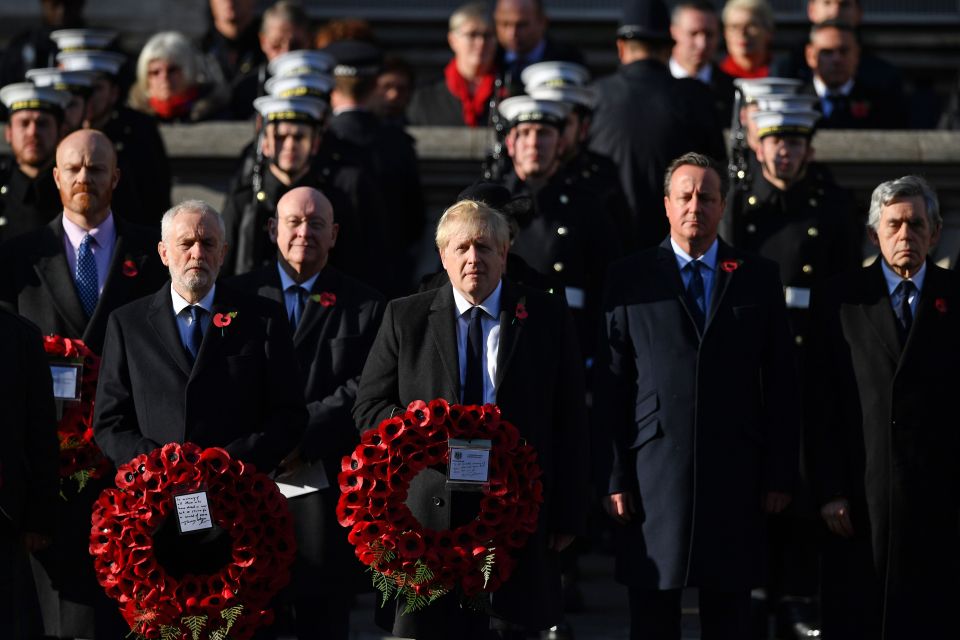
(797, 619)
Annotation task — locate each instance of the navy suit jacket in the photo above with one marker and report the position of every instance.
(698, 427)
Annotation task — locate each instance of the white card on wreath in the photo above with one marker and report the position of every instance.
(193, 512)
(470, 463)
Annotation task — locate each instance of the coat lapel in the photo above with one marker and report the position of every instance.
(723, 276)
(443, 329)
(510, 330)
(667, 261)
(51, 267)
(878, 311)
(314, 312)
(931, 309)
(162, 320)
(217, 339)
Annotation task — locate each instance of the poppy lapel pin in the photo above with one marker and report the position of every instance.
(520, 313)
(730, 265)
(325, 299)
(940, 304)
(129, 267)
(223, 320)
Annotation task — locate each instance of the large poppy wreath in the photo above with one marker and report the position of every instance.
(172, 586)
(417, 564)
(80, 458)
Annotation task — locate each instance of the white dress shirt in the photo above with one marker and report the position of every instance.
(104, 238)
(185, 320)
(824, 94)
(705, 75)
(708, 269)
(490, 324)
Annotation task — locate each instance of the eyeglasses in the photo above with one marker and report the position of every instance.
(475, 35)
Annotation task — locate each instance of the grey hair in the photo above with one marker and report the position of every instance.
(479, 11)
(198, 206)
(694, 159)
(173, 47)
(905, 187)
(760, 10)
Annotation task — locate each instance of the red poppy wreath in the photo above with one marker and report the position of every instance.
(417, 564)
(194, 592)
(80, 458)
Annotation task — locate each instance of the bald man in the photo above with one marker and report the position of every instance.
(333, 320)
(66, 277)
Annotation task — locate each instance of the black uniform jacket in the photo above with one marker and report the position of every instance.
(644, 119)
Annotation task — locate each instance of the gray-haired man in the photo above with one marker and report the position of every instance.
(882, 437)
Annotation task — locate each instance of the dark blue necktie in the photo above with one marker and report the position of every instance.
(87, 283)
(904, 313)
(696, 293)
(473, 385)
(195, 334)
(299, 294)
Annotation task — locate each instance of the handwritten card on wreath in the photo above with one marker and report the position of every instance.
(193, 512)
(469, 460)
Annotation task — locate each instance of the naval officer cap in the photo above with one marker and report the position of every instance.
(83, 39)
(793, 122)
(583, 97)
(646, 20)
(76, 82)
(355, 58)
(523, 109)
(786, 102)
(753, 88)
(300, 62)
(308, 84)
(554, 74)
(295, 109)
(26, 95)
(105, 62)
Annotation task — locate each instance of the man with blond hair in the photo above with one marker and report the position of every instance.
(484, 339)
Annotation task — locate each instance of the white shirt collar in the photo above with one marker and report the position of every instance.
(709, 258)
(704, 75)
(491, 305)
(822, 89)
(893, 280)
(179, 304)
(103, 234)
(286, 281)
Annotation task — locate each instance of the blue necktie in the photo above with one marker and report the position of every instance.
(195, 335)
(696, 293)
(87, 283)
(473, 385)
(904, 312)
(297, 314)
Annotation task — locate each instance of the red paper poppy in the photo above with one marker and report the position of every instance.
(521, 312)
(860, 109)
(221, 320)
(391, 455)
(730, 265)
(242, 501)
(129, 268)
(327, 299)
(940, 304)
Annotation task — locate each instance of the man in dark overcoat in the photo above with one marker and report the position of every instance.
(696, 412)
(882, 430)
(197, 361)
(484, 339)
(333, 320)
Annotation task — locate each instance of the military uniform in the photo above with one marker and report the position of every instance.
(573, 236)
(144, 166)
(25, 203)
(356, 206)
(810, 230)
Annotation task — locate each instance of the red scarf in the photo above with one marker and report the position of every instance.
(731, 68)
(175, 106)
(473, 105)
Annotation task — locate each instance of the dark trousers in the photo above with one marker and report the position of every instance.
(655, 615)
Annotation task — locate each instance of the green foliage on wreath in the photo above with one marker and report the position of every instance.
(487, 568)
